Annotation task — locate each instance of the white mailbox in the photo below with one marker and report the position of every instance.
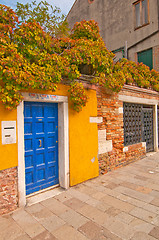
(8, 132)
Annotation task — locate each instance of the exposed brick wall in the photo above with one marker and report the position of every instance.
(109, 108)
(115, 159)
(8, 190)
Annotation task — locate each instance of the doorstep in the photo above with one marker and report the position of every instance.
(43, 195)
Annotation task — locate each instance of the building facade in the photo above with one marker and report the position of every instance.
(45, 144)
(129, 28)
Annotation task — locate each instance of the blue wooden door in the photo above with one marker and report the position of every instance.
(41, 145)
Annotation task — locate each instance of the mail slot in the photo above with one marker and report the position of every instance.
(8, 132)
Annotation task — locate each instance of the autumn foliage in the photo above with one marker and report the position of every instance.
(31, 58)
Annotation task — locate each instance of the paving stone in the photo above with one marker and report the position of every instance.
(143, 189)
(98, 195)
(45, 236)
(142, 236)
(62, 197)
(124, 217)
(52, 223)
(55, 206)
(103, 206)
(68, 231)
(39, 211)
(116, 203)
(143, 214)
(129, 185)
(153, 186)
(131, 200)
(132, 193)
(119, 205)
(27, 223)
(155, 202)
(110, 192)
(11, 232)
(93, 202)
(91, 230)
(74, 203)
(5, 222)
(73, 218)
(109, 236)
(111, 185)
(23, 237)
(155, 194)
(85, 189)
(141, 226)
(79, 195)
(122, 230)
(141, 178)
(155, 232)
(156, 221)
(112, 211)
(151, 208)
(89, 211)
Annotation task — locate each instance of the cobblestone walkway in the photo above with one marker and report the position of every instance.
(123, 204)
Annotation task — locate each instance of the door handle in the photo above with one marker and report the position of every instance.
(40, 142)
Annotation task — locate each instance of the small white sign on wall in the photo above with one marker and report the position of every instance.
(8, 132)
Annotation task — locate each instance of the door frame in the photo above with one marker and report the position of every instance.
(63, 140)
(144, 101)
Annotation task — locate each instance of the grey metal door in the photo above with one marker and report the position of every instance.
(148, 135)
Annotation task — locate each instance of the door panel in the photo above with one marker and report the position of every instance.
(148, 129)
(41, 145)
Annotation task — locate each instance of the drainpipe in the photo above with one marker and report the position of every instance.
(126, 49)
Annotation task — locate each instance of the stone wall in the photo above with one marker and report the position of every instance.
(8, 190)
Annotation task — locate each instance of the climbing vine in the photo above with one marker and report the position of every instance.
(30, 58)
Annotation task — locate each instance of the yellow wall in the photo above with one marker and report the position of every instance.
(83, 142)
(8, 152)
(83, 139)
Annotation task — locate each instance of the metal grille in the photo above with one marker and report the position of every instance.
(148, 128)
(138, 125)
(132, 123)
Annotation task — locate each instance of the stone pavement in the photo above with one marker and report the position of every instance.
(123, 204)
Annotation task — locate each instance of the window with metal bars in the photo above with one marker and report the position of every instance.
(132, 123)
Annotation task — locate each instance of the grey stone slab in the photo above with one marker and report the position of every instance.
(91, 230)
(77, 194)
(52, 223)
(142, 236)
(23, 237)
(27, 223)
(55, 206)
(89, 212)
(62, 197)
(45, 236)
(74, 219)
(39, 212)
(11, 232)
(122, 230)
(155, 232)
(116, 203)
(141, 226)
(69, 232)
(143, 214)
(74, 203)
(135, 194)
(124, 217)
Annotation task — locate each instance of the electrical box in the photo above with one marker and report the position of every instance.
(8, 132)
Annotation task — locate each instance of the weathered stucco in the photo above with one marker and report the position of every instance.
(116, 23)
